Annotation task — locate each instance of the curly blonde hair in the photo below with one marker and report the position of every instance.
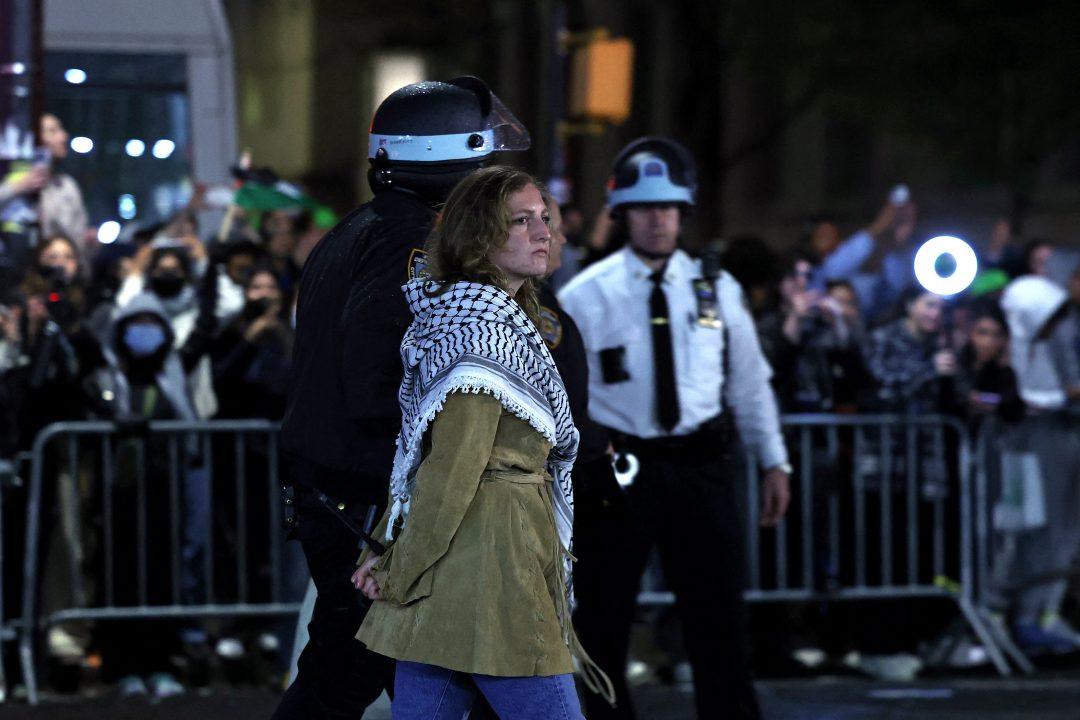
(475, 222)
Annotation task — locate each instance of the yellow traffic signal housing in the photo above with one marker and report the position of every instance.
(601, 80)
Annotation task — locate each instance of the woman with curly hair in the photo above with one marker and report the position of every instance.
(473, 593)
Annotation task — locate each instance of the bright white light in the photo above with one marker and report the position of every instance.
(135, 148)
(626, 479)
(18, 68)
(75, 76)
(126, 206)
(82, 144)
(926, 259)
(395, 70)
(163, 149)
(108, 232)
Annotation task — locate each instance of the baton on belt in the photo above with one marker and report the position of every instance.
(365, 538)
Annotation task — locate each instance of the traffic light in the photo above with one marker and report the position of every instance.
(601, 79)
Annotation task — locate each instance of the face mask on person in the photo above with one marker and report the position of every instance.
(255, 308)
(167, 284)
(144, 339)
(55, 275)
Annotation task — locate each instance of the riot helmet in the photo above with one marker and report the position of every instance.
(652, 170)
(427, 136)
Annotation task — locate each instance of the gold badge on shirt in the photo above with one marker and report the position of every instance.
(550, 327)
(417, 265)
(708, 305)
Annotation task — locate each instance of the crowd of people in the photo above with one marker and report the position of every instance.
(174, 322)
(847, 329)
(159, 325)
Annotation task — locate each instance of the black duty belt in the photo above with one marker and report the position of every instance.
(711, 438)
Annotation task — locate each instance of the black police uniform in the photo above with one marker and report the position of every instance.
(339, 430)
(663, 344)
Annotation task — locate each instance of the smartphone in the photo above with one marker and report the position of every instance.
(42, 158)
(899, 195)
(988, 398)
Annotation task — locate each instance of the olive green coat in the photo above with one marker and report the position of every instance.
(472, 581)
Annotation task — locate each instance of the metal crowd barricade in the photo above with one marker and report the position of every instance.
(99, 442)
(12, 473)
(883, 507)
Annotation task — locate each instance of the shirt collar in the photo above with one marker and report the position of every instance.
(638, 270)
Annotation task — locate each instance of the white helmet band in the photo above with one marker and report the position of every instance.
(433, 148)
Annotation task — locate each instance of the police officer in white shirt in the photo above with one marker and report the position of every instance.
(672, 353)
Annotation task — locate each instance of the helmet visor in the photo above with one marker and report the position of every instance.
(507, 131)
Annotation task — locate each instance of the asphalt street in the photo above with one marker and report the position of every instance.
(1045, 697)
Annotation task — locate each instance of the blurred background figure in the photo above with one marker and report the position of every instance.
(171, 271)
(813, 340)
(252, 353)
(1043, 334)
(144, 380)
(909, 357)
(985, 383)
(45, 196)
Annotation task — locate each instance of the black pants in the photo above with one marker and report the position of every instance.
(683, 503)
(338, 677)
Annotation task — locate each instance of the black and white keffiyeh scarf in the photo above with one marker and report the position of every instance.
(474, 338)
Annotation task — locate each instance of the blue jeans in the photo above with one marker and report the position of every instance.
(429, 692)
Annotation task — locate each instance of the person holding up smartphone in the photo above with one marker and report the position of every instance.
(985, 384)
(52, 198)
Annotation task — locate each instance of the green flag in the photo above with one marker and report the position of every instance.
(279, 196)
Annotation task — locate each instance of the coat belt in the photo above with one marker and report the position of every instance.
(522, 478)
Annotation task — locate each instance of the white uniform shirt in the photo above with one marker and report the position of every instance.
(609, 301)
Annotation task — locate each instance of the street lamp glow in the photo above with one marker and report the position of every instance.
(126, 206)
(135, 148)
(926, 265)
(82, 144)
(75, 76)
(108, 232)
(163, 149)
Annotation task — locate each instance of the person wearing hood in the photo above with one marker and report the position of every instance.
(144, 381)
(139, 350)
(171, 272)
(1043, 334)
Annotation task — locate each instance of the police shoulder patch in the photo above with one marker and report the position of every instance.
(417, 265)
(550, 327)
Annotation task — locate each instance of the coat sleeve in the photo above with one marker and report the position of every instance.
(462, 437)
(379, 532)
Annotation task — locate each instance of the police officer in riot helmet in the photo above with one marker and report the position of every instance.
(673, 357)
(342, 415)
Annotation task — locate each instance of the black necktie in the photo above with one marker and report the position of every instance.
(667, 394)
